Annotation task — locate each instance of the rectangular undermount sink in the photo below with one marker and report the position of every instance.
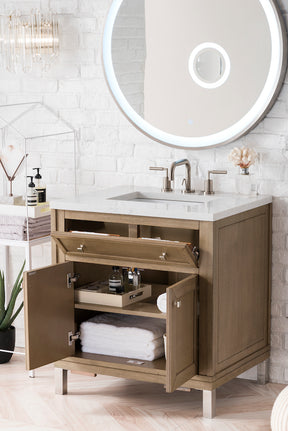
(163, 197)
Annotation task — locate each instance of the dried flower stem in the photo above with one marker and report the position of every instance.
(12, 178)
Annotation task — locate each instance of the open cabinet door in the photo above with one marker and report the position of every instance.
(49, 314)
(181, 332)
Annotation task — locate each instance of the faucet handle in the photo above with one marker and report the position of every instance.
(217, 171)
(208, 186)
(158, 168)
(166, 182)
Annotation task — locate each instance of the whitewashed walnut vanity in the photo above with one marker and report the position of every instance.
(218, 303)
(188, 85)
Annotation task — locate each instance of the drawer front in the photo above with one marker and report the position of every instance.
(139, 252)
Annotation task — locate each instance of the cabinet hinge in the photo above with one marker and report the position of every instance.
(73, 337)
(72, 278)
(196, 252)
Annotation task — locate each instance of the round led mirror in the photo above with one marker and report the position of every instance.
(194, 79)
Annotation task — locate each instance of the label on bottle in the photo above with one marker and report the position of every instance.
(41, 195)
(115, 285)
(31, 198)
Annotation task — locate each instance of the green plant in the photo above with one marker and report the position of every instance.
(6, 314)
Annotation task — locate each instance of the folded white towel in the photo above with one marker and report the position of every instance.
(128, 353)
(111, 325)
(97, 342)
(16, 227)
(22, 221)
(162, 302)
(23, 237)
(123, 335)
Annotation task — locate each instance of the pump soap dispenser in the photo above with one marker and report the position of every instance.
(40, 187)
(31, 193)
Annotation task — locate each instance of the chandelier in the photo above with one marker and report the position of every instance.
(29, 40)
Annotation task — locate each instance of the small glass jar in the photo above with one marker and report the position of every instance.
(116, 281)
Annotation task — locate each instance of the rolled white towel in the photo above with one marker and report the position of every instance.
(162, 302)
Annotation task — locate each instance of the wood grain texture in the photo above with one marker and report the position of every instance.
(243, 294)
(58, 222)
(145, 253)
(49, 314)
(138, 309)
(140, 220)
(181, 332)
(206, 297)
(107, 403)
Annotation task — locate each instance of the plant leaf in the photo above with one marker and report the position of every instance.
(18, 282)
(15, 292)
(2, 295)
(15, 315)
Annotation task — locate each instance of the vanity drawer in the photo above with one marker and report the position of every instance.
(135, 252)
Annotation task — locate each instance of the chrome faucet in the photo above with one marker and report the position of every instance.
(187, 178)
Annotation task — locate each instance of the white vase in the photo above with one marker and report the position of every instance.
(279, 416)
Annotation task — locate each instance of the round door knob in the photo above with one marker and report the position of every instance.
(81, 247)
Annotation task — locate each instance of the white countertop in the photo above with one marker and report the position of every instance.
(150, 202)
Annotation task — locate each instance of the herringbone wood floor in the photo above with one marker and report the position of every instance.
(110, 404)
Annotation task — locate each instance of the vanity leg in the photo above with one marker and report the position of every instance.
(263, 372)
(32, 374)
(60, 381)
(209, 404)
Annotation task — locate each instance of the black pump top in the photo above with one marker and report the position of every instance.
(31, 184)
(37, 176)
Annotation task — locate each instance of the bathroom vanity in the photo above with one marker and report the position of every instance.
(211, 254)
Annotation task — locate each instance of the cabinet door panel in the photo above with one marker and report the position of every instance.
(49, 314)
(181, 332)
(146, 253)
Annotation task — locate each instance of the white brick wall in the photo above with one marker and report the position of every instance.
(112, 152)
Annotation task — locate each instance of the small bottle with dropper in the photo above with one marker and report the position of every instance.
(31, 193)
(40, 187)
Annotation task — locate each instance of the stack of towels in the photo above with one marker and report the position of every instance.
(15, 227)
(134, 337)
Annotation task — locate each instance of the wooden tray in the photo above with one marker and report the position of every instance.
(102, 296)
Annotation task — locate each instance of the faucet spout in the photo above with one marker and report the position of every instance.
(187, 178)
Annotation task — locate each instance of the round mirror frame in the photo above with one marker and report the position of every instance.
(263, 104)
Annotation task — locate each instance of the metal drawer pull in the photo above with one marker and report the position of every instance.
(177, 304)
(163, 256)
(81, 247)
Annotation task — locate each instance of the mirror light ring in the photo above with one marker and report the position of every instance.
(276, 70)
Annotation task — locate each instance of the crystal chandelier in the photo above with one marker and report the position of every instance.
(29, 40)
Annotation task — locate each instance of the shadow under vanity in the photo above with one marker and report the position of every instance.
(218, 307)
